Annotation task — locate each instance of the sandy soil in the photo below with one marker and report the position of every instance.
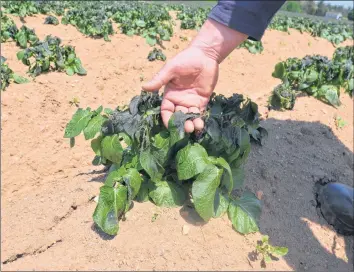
(48, 189)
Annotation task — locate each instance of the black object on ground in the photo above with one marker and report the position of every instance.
(336, 203)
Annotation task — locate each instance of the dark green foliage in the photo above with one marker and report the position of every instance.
(8, 28)
(151, 21)
(50, 55)
(315, 75)
(51, 20)
(166, 166)
(343, 58)
(90, 19)
(21, 8)
(283, 97)
(335, 32)
(253, 47)
(7, 75)
(343, 54)
(192, 18)
(26, 35)
(25, 8)
(55, 7)
(22, 36)
(351, 15)
(156, 54)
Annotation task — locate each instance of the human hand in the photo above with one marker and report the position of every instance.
(189, 79)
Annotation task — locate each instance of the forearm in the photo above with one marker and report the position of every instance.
(217, 40)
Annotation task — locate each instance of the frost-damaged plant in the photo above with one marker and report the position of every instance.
(151, 21)
(7, 75)
(26, 35)
(343, 57)
(335, 32)
(8, 28)
(156, 54)
(90, 19)
(21, 8)
(51, 20)
(283, 97)
(49, 54)
(167, 166)
(192, 18)
(268, 251)
(315, 75)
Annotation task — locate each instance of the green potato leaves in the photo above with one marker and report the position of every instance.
(7, 75)
(168, 166)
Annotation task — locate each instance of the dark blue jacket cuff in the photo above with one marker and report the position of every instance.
(248, 17)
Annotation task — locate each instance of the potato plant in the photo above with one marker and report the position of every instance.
(8, 28)
(192, 18)
(156, 54)
(315, 75)
(51, 20)
(335, 32)
(89, 20)
(22, 36)
(21, 8)
(151, 21)
(25, 36)
(8, 76)
(168, 166)
(25, 8)
(49, 55)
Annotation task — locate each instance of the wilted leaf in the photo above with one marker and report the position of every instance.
(151, 165)
(111, 205)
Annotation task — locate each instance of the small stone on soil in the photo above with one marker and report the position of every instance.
(185, 229)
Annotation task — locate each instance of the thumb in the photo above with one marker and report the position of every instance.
(159, 80)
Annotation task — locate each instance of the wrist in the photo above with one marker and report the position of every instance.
(216, 40)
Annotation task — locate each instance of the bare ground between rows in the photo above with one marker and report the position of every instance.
(47, 189)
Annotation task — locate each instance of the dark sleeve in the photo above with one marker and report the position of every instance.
(248, 17)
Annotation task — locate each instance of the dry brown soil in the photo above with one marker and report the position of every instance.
(47, 188)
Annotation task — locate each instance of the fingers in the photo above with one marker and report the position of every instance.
(188, 126)
(167, 109)
(182, 109)
(159, 80)
(198, 123)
